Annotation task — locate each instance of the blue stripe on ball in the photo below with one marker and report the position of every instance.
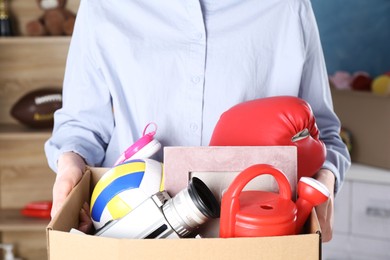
(127, 182)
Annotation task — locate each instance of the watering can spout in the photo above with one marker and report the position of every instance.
(311, 193)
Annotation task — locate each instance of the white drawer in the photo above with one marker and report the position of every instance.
(370, 248)
(371, 210)
(357, 256)
(344, 246)
(342, 209)
(340, 244)
(335, 255)
(341, 255)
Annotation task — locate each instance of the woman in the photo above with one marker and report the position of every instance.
(181, 64)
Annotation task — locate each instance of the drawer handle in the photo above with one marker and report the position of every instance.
(378, 212)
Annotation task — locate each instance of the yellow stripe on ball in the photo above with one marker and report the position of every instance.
(114, 173)
(118, 208)
(162, 187)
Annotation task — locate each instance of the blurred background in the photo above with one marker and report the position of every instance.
(355, 35)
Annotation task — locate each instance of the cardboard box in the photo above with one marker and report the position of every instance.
(366, 116)
(64, 245)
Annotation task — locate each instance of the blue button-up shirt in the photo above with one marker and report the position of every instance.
(181, 64)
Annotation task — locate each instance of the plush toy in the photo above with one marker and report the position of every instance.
(359, 80)
(381, 85)
(56, 19)
(340, 80)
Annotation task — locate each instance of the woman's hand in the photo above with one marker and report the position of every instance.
(325, 211)
(85, 224)
(70, 170)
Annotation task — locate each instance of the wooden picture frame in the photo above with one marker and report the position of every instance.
(207, 163)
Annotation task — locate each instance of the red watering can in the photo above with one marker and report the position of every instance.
(261, 213)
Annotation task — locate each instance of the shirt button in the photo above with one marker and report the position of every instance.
(198, 36)
(193, 127)
(195, 79)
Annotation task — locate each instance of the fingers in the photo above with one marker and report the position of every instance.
(85, 224)
(61, 189)
(325, 218)
(70, 170)
(324, 211)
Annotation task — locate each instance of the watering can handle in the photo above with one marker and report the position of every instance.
(230, 201)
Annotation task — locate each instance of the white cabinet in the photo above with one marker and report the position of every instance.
(362, 216)
(342, 211)
(371, 210)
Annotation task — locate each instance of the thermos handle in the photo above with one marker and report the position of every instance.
(230, 204)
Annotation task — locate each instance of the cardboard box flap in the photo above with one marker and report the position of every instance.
(68, 215)
(68, 219)
(64, 245)
(97, 174)
(230, 248)
(312, 225)
(74, 246)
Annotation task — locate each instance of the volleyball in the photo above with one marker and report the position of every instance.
(123, 188)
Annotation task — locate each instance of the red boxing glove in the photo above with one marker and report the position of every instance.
(274, 121)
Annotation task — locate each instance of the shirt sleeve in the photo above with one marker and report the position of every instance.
(315, 89)
(85, 122)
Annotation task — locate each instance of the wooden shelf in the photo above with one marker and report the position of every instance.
(34, 40)
(20, 132)
(12, 220)
(26, 64)
(23, 11)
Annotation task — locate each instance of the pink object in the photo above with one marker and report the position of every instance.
(217, 166)
(144, 147)
(341, 80)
